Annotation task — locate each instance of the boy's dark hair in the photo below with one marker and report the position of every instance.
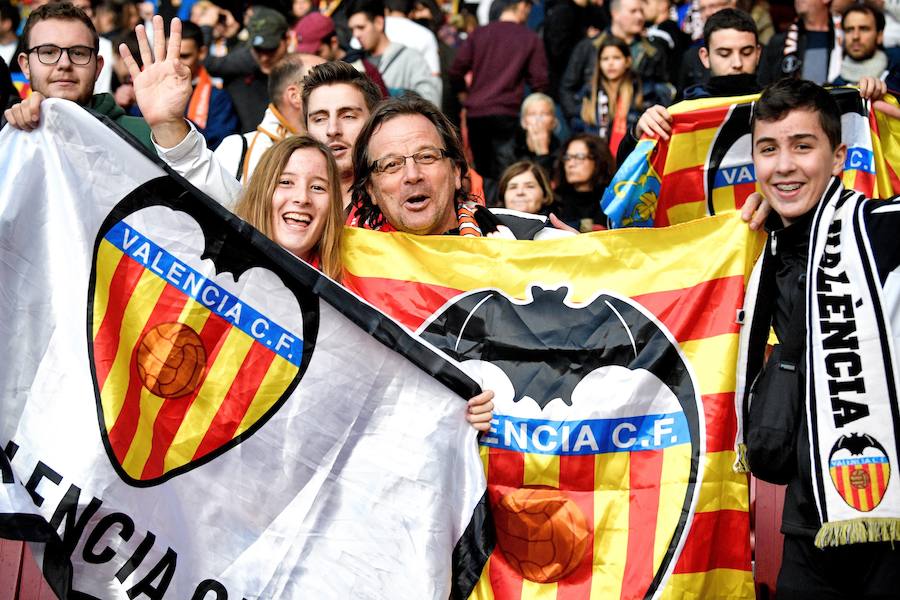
(409, 103)
(192, 31)
(867, 9)
(371, 8)
(404, 6)
(337, 71)
(788, 94)
(63, 11)
(10, 12)
(729, 18)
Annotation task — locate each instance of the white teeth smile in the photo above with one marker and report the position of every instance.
(297, 217)
(788, 187)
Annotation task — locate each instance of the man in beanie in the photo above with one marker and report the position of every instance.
(245, 70)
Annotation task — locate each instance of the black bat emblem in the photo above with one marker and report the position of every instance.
(546, 347)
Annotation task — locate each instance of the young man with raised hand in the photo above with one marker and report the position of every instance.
(829, 285)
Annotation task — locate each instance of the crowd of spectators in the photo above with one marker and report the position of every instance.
(566, 85)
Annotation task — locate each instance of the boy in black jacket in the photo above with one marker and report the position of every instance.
(832, 260)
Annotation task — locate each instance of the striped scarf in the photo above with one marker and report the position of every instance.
(852, 408)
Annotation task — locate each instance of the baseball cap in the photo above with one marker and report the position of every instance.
(266, 28)
(311, 31)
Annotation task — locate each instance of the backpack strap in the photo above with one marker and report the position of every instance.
(240, 167)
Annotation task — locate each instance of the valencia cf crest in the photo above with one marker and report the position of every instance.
(596, 391)
(193, 347)
(860, 470)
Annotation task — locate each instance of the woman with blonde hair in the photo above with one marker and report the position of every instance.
(294, 199)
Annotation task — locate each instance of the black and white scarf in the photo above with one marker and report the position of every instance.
(852, 410)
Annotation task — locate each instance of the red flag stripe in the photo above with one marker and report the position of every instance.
(839, 474)
(127, 274)
(168, 308)
(576, 477)
(645, 470)
(172, 413)
(238, 400)
(669, 306)
(712, 542)
(406, 301)
(870, 499)
(412, 303)
(721, 423)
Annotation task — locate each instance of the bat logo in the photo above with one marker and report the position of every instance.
(193, 345)
(602, 382)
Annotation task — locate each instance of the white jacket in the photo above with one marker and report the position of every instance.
(194, 161)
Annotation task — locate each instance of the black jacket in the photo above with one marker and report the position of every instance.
(789, 249)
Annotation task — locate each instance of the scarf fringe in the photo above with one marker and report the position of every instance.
(858, 531)
(740, 462)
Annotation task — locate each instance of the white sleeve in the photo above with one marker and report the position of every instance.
(195, 162)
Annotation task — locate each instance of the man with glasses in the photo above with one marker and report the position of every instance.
(61, 61)
(409, 169)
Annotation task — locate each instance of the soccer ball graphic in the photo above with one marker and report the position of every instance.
(542, 534)
(171, 360)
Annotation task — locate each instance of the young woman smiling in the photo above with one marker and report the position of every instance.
(294, 198)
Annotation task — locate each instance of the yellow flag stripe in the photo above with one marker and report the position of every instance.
(673, 486)
(711, 358)
(541, 469)
(610, 524)
(108, 257)
(688, 150)
(483, 589)
(212, 392)
(276, 379)
(688, 211)
(424, 259)
(139, 450)
(704, 103)
(722, 488)
(532, 590)
(140, 306)
(730, 584)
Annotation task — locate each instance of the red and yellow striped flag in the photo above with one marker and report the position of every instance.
(706, 167)
(612, 354)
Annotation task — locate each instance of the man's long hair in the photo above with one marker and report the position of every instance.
(408, 104)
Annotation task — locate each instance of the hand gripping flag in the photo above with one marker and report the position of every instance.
(609, 461)
(706, 167)
(188, 411)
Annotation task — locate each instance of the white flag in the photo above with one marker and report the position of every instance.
(188, 411)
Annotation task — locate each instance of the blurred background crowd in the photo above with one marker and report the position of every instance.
(549, 94)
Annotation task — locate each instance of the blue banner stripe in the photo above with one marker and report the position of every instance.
(593, 436)
(179, 275)
(860, 159)
(862, 460)
(726, 176)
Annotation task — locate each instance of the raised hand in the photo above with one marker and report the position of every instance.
(163, 89)
(656, 120)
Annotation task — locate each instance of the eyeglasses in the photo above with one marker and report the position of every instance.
(49, 54)
(577, 156)
(393, 163)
